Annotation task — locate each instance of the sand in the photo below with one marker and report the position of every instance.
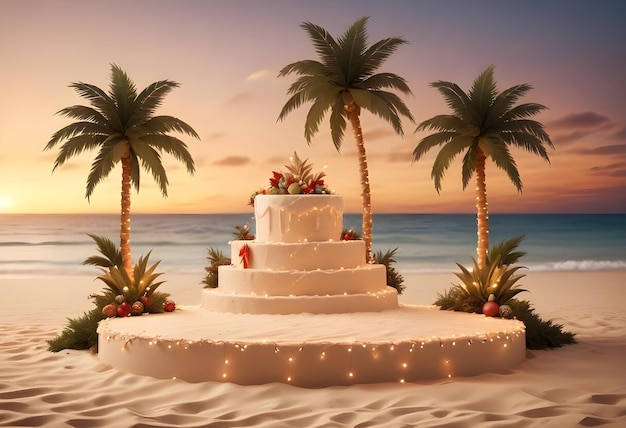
(577, 385)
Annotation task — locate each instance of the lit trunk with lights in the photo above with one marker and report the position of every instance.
(353, 111)
(125, 217)
(482, 214)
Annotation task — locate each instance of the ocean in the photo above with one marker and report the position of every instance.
(56, 244)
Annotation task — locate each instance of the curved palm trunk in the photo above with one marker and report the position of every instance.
(482, 214)
(353, 115)
(125, 218)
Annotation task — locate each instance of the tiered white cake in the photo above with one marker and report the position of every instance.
(298, 263)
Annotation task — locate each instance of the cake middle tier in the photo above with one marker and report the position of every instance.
(299, 256)
(370, 278)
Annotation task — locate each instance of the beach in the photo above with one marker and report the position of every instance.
(577, 385)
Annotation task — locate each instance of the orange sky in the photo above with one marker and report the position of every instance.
(226, 56)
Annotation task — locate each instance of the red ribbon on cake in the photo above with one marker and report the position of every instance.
(244, 253)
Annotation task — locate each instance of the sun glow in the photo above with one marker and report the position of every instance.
(6, 203)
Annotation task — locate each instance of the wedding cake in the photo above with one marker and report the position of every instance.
(298, 261)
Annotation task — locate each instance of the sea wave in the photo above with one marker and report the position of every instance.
(558, 266)
(580, 265)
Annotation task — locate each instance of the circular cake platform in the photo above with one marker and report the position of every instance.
(406, 344)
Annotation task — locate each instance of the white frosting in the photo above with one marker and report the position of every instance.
(300, 256)
(298, 218)
(366, 279)
(218, 301)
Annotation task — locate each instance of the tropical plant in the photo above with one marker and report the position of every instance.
(80, 332)
(345, 81)
(141, 286)
(394, 278)
(216, 259)
(484, 123)
(122, 126)
(497, 277)
(479, 284)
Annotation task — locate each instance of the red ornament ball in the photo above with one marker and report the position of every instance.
(145, 301)
(491, 309)
(169, 306)
(110, 310)
(123, 310)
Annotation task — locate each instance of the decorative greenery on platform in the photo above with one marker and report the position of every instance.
(216, 259)
(498, 278)
(394, 279)
(122, 292)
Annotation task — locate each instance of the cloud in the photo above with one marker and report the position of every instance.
(405, 157)
(233, 161)
(612, 170)
(260, 74)
(215, 136)
(570, 137)
(240, 98)
(620, 134)
(616, 149)
(584, 120)
(378, 134)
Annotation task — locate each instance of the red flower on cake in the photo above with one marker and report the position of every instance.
(275, 180)
(244, 253)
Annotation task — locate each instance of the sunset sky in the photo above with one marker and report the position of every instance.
(226, 55)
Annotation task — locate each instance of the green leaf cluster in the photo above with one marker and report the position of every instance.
(478, 284)
(540, 334)
(216, 259)
(394, 279)
(497, 277)
(80, 332)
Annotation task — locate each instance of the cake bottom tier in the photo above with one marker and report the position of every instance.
(405, 344)
(218, 301)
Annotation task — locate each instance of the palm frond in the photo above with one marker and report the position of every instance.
(337, 123)
(164, 124)
(173, 147)
(76, 145)
(325, 45)
(151, 161)
(101, 102)
(123, 92)
(499, 152)
(101, 166)
(111, 255)
(446, 155)
(430, 141)
(149, 100)
(482, 95)
(378, 53)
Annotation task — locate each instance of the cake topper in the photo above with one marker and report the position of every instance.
(298, 180)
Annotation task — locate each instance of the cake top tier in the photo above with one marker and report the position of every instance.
(298, 218)
(297, 180)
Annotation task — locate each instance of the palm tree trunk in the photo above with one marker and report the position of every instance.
(353, 115)
(482, 214)
(125, 218)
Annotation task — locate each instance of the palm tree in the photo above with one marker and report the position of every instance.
(122, 126)
(483, 124)
(344, 81)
